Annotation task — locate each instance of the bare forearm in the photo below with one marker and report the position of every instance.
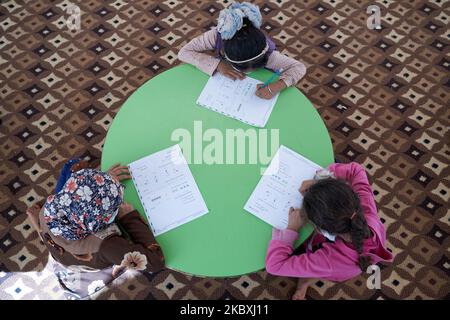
(278, 86)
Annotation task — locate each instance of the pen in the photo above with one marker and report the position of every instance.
(274, 75)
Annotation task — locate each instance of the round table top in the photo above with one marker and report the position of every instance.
(227, 241)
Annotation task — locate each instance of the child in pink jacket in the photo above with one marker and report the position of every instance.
(348, 237)
(238, 46)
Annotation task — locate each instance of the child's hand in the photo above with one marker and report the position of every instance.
(33, 215)
(305, 186)
(119, 172)
(227, 70)
(270, 90)
(296, 219)
(266, 92)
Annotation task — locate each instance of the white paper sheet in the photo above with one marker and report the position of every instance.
(277, 190)
(167, 189)
(236, 99)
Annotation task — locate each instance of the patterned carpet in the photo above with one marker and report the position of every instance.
(383, 95)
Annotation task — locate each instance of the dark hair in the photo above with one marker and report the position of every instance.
(247, 43)
(330, 204)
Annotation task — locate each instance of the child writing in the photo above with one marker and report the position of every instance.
(79, 225)
(348, 237)
(238, 46)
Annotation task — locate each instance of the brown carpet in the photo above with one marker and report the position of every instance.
(383, 94)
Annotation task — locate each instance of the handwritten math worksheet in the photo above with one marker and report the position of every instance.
(277, 190)
(167, 189)
(236, 99)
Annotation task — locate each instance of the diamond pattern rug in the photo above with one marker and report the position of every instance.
(383, 94)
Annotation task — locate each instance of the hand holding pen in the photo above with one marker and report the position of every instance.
(269, 89)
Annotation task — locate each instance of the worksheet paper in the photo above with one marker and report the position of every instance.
(277, 190)
(236, 99)
(167, 190)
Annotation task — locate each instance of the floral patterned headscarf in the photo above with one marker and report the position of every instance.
(88, 203)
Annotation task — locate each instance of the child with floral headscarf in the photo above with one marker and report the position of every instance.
(79, 224)
(238, 46)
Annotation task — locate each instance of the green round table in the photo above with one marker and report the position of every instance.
(227, 241)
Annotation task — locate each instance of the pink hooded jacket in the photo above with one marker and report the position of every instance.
(336, 261)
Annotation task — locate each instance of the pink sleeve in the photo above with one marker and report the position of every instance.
(194, 52)
(280, 262)
(355, 175)
(293, 70)
(334, 261)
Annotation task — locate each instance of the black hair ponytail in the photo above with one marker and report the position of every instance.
(332, 205)
(359, 230)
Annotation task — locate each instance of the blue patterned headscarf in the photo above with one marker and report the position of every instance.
(231, 19)
(88, 202)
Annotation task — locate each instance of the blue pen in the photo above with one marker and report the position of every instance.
(277, 73)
